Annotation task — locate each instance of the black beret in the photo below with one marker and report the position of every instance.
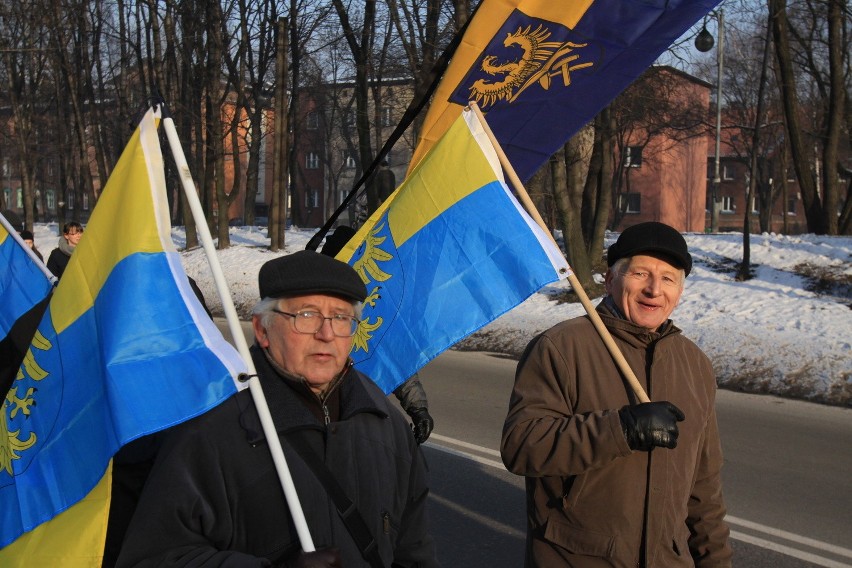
(651, 237)
(309, 272)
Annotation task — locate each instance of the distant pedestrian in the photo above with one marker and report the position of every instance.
(72, 231)
(29, 239)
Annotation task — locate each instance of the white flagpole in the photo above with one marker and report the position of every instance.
(239, 339)
(40, 263)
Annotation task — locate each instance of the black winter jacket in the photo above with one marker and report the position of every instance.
(214, 498)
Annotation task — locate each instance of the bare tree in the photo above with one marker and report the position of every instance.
(360, 39)
(24, 71)
(812, 54)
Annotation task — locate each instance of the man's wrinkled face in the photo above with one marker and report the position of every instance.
(646, 289)
(318, 357)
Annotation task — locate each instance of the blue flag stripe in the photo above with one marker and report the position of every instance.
(461, 271)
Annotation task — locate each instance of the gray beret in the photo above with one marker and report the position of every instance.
(309, 272)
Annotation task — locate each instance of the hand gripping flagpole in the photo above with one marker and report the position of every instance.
(524, 198)
(269, 431)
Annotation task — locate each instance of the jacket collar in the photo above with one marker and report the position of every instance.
(287, 406)
(629, 332)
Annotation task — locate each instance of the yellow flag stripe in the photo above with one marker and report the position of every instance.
(73, 539)
(443, 186)
(126, 205)
(408, 210)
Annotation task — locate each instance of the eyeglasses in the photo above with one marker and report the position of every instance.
(645, 278)
(309, 322)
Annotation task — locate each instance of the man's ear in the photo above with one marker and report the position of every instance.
(608, 279)
(259, 332)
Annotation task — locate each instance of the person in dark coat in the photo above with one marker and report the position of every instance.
(214, 497)
(410, 394)
(597, 495)
(72, 231)
(29, 240)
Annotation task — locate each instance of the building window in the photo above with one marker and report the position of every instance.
(349, 117)
(727, 172)
(630, 202)
(85, 202)
(348, 159)
(312, 198)
(71, 201)
(312, 120)
(20, 199)
(754, 206)
(386, 116)
(50, 196)
(791, 205)
(312, 161)
(727, 204)
(633, 157)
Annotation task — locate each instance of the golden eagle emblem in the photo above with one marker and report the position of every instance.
(540, 62)
(11, 443)
(369, 270)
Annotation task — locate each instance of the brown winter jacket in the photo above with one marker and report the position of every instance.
(590, 498)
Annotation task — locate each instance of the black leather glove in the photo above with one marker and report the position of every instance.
(650, 424)
(323, 558)
(422, 424)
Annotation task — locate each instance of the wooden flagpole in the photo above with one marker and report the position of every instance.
(524, 198)
(269, 431)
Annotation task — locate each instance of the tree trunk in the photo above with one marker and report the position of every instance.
(361, 55)
(800, 155)
(744, 272)
(279, 164)
(836, 99)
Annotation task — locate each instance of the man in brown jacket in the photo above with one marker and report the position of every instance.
(597, 492)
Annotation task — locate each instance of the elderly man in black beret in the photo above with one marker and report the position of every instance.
(597, 495)
(214, 497)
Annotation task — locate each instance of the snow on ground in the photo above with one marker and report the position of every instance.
(771, 334)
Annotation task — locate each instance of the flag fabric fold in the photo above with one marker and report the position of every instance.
(449, 252)
(25, 291)
(541, 69)
(124, 349)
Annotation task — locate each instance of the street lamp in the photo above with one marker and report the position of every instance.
(704, 43)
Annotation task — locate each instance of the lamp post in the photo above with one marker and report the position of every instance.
(704, 43)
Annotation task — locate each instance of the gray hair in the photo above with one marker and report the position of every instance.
(265, 310)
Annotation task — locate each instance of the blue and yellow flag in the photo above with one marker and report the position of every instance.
(449, 252)
(24, 290)
(124, 349)
(541, 69)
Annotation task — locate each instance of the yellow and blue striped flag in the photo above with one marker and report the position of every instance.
(541, 69)
(125, 349)
(449, 252)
